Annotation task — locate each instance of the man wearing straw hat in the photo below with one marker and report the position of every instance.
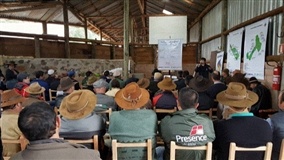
(166, 99)
(11, 103)
(35, 94)
(241, 127)
(133, 124)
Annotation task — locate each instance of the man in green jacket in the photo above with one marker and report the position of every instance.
(186, 127)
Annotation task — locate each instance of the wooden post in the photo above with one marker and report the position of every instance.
(66, 30)
(126, 39)
(86, 28)
(44, 27)
(94, 49)
(112, 51)
(199, 46)
(224, 25)
(37, 47)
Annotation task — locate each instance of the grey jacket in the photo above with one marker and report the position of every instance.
(56, 149)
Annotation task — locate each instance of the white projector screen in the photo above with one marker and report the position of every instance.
(167, 27)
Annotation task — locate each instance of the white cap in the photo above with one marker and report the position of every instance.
(50, 71)
(116, 73)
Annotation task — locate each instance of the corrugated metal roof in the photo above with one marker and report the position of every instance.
(105, 15)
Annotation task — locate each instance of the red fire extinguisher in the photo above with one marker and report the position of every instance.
(277, 77)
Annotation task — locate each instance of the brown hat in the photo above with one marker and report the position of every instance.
(236, 95)
(199, 83)
(10, 97)
(65, 84)
(35, 88)
(78, 104)
(167, 84)
(143, 83)
(132, 97)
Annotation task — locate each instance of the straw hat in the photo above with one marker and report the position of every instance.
(143, 83)
(132, 97)
(167, 84)
(78, 104)
(65, 83)
(236, 95)
(199, 83)
(35, 88)
(10, 97)
(91, 80)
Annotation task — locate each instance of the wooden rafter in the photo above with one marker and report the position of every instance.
(29, 8)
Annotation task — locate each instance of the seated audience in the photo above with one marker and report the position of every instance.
(133, 124)
(241, 127)
(200, 85)
(144, 83)
(180, 82)
(115, 87)
(67, 86)
(78, 117)
(93, 78)
(104, 101)
(153, 87)
(240, 77)
(54, 84)
(23, 83)
(183, 124)
(117, 75)
(264, 96)
(225, 77)
(276, 123)
(40, 125)
(85, 80)
(40, 79)
(35, 94)
(166, 98)
(51, 77)
(216, 88)
(106, 76)
(71, 75)
(11, 75)
(11, 103)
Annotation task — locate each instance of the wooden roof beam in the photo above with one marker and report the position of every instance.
(28, 8)
(141, 4)
(80, 16)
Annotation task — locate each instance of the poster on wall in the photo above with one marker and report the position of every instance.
(219, 61)
(254, 49)
(234, 48)
(170, 54)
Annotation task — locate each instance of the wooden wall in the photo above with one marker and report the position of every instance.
(145, 58)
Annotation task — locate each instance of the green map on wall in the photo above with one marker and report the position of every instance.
(256, 47)
(235, 52)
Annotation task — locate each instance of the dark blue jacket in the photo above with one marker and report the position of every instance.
(45, 85)
(245, 130)
(276, 122)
